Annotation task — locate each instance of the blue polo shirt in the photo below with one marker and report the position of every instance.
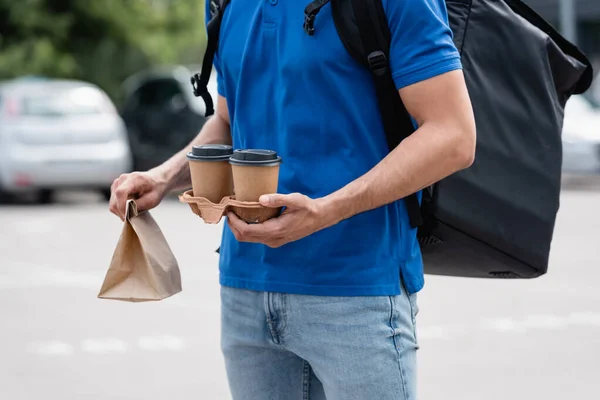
(308, 99)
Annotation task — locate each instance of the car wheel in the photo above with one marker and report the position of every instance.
(6, 198)
(105, 194)
(45, 196)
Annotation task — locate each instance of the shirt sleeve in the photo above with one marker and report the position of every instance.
(216, 62)
(422, 43)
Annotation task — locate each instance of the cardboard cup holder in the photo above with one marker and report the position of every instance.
(211, 213)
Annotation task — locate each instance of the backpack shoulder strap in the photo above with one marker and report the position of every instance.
(200, 80)
(363, 29)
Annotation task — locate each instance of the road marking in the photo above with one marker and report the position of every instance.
(551, 322)
(584, 318)
(542, 321)
(28, 275)
(153, 343)
(429, 332)
(50, 348)
(506, 325)
(104, 345)
(24, 275)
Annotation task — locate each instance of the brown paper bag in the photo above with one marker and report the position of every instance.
(143, 268)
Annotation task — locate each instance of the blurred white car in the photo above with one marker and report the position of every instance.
(581, 137)
(58, 134)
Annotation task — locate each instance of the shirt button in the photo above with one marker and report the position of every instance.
(273, 2)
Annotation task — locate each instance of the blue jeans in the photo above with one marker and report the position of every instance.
(294, 347)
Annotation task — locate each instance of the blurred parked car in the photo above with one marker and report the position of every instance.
(58, 134)
(162, 114)
(581, 137)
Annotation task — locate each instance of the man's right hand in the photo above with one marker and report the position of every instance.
(146, 188)
(149, 188)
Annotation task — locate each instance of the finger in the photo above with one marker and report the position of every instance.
(274, 227)
(273, 233)
(117, 182)
(113, 207)
(294, 200)
(275, 244)
(253, 233)
(112, 204)
(234, 230)
(147, 201)
(238, 227)
(233, 218)
(124, 192)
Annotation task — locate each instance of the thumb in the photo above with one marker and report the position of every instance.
(280, 200)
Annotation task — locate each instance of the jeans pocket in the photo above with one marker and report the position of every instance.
(414, 311)
(413, 308)
(403, 320)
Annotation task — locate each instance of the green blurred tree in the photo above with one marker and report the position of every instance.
(100, 41)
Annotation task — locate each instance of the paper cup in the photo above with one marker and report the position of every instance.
(255, 172)
(211, 172)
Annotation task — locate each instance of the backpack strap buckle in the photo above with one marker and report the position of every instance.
(378, 62)
(197, 86)
(215, 8)
(201, 90)
(310, 13)
(309, 23)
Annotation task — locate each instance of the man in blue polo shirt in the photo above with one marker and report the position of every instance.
(321, 301)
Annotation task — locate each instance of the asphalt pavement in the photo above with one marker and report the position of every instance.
(537, 339)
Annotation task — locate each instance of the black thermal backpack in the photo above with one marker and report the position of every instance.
(495, 219)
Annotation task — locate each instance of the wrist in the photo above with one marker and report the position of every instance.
(162, 176)
(332, 209)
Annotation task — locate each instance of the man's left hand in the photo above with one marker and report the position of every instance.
(302, 217)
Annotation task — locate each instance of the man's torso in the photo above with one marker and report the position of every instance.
(308, 99)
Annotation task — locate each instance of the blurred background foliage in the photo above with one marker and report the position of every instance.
(101, 41)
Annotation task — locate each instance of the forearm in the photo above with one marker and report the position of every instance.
(425, 157)
(176, 171)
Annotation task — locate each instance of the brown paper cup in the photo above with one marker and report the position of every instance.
(252, 182)
(210, 171)
(211, 179)
(255, 172)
